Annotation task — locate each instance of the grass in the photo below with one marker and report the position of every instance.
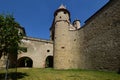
(51, 74)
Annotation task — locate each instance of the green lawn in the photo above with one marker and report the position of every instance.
(51, 74)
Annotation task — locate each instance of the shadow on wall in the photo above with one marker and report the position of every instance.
(0, 55)
(13, 76)
(118, 71)
(25, 62)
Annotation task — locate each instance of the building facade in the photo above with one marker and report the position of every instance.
(96, 45)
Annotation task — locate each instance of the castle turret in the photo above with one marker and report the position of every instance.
(62, 14)
(61, 38)
(76, 24)
(65, 36)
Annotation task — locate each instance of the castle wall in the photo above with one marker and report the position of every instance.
(100, 39)
(37, 50)
(75, 49)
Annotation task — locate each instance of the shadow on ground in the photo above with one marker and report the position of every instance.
(13, 75)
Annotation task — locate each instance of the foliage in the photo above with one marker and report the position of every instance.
(10, 37)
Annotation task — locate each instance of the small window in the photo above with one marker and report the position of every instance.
(74, 39)
(60, 16)
(48, 50)
(64, 12)
(62, 47)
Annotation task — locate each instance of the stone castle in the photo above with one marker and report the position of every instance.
(96, 45)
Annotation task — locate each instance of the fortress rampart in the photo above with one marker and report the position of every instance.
(96, 45)
(99, 39)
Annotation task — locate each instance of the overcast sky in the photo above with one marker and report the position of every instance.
(36, 16)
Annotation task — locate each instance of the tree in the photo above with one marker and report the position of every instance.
(10, 39)
(1, 24)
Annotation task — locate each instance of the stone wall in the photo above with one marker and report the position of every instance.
(94, 46)
(37, 50)
(76, 42)
(100, 39)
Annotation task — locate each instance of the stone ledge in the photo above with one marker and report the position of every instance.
(37, 39)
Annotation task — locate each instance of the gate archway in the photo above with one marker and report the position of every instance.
(25, 62)
(49, 62)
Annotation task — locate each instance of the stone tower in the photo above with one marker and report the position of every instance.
(76, 24)
(61, 54)
(61, 32)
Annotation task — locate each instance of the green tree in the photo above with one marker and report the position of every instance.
(10, 39)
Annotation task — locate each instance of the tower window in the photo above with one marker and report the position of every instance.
(74, 39)
(64, 12)
(60, 16)
(62, 47)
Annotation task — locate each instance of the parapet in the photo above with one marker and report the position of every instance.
(39, 40)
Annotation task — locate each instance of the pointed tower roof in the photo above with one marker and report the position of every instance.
(62, 7)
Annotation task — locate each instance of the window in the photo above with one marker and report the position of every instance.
(48, 50)
(74, 39)
(62, 47)
(64, 12)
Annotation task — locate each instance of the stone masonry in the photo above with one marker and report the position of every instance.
(96, 45)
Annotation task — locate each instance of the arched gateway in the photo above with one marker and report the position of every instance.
(25, 62)
(49, 62)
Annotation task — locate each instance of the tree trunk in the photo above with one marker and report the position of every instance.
(7, 66)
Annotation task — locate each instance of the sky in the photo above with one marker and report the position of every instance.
(36, 16)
